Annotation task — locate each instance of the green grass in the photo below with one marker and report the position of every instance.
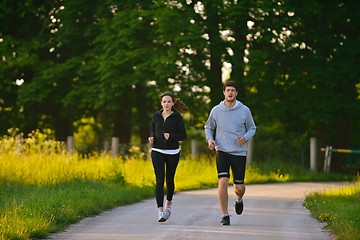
(35, 211)
(44, 190)
(339, 209)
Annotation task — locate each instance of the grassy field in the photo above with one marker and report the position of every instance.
(44, 190)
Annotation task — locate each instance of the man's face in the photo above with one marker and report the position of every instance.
(230, 94)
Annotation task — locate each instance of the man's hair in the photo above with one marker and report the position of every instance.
(230, 84)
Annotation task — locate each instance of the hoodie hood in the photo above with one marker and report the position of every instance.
(237, 105)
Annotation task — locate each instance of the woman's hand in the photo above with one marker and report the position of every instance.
(166, 136)
(151, 140)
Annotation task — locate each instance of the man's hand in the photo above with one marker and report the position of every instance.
(211, 144)
(151, 140)
(241, 140)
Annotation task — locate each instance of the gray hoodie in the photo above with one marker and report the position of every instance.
(226, 124)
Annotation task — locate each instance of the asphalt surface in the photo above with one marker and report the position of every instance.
(271, 211)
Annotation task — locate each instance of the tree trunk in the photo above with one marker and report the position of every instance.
(31, 121)
(215, 46)
(63, 127)
(122, 125)
(143, 114)
(105, 129)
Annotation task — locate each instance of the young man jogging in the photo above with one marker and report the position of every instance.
(229, 127)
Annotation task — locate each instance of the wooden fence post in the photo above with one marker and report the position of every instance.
(194, 148)
(70, 144)
(327, 160)
(114, 146)
(313, 154)
(19, 144)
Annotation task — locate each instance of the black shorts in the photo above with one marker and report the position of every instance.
(237, 163)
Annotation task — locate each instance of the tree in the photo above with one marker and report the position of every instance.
(122, 68)
(302, 83)
(326, 36)
(110, 60)
(22, 35)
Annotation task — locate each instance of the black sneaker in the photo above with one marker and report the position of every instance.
(239, 207)
(225, 220)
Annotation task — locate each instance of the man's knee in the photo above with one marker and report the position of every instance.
(223, 181)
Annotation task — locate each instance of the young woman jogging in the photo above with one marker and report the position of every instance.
(167, 130)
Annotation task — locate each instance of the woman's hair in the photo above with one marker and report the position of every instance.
(178, 104)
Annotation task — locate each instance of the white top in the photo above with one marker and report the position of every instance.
(167, 151)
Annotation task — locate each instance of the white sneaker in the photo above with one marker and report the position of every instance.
(162, 217)
(167, 213)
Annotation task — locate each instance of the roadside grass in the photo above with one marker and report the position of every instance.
(339, 209)
(43, 189)
(35, 211)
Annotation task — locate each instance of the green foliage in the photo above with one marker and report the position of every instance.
(273, 142)
(109, 61)
(86, 135)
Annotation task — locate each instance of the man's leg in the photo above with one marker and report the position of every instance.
(239, 191)
(223, 195)
(223, 167)
(238, 164)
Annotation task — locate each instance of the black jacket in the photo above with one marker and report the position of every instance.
(174, 125)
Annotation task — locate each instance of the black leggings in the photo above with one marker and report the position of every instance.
(159, 161)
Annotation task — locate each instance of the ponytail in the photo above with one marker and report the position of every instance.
(180, 106)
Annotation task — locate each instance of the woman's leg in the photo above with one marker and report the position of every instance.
(158, 161)
(171, 165)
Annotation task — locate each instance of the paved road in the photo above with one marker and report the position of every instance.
(272, 211)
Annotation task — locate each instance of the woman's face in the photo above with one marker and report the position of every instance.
(167, 103)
